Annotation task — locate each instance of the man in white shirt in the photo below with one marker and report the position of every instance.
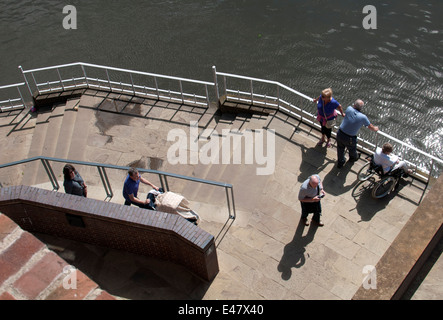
(388, 161)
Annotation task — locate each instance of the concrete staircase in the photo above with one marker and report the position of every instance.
(56, 134)
(85, 129)
(89, 129)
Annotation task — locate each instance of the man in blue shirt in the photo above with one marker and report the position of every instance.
(347, 134)
(130, 190)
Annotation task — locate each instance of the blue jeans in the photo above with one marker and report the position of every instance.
(150, 205)
(346, 142)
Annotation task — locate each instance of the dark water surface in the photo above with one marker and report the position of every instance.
(307, 45)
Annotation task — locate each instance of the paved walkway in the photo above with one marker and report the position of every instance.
(265, 253)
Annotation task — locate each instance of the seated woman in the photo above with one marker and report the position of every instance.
(388, 161)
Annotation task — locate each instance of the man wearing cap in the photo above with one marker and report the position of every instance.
(347, 134)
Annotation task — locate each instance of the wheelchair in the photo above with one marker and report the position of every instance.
(387, 182)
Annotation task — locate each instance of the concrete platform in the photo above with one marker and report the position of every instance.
(265, 253)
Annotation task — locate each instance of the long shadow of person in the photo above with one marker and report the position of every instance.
(294, 252)
(335, 181)
(313, 160)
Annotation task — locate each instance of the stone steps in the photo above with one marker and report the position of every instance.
(16, 129)
(51, 139)
(36, 149)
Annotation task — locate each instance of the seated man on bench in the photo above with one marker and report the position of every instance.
(130, 190)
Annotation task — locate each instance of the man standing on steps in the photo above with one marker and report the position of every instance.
(347, 134)
(130, 190)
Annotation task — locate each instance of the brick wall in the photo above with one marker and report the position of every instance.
(150, 233)
(29, 270)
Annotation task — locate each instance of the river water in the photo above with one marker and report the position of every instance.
(397, 68)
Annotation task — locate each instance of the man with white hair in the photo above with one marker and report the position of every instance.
(310, 194)
(347, 134)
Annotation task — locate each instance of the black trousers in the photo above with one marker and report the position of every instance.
(327, 132)
(311, 207)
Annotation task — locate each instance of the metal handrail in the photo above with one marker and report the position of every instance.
(111, 85)
(117, 69)
(253, 98)
(107, 186)
(10, 102)
(302, 114)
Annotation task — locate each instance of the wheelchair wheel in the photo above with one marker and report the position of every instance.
(365, 172)
(383, 187)
(361, 188)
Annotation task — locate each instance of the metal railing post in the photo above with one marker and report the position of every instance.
(181, 91)
(84, 73)
(60, 77)
(21, 97)
(162, 183)
(207, 95)
(35, 82)
(217, 95)
(109, 80)
(234, 215)
(26, 80)
(252, 93)
(156, 88)
(166, 182)
(132, 83)
(105, 182)
(50, 174)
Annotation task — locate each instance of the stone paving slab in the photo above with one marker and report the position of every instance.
(265, 253)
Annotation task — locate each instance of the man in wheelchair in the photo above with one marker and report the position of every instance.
(388, 167)
(390, 163)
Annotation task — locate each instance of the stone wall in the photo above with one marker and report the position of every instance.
(409, 251)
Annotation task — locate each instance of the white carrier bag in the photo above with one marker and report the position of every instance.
(171, 202)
